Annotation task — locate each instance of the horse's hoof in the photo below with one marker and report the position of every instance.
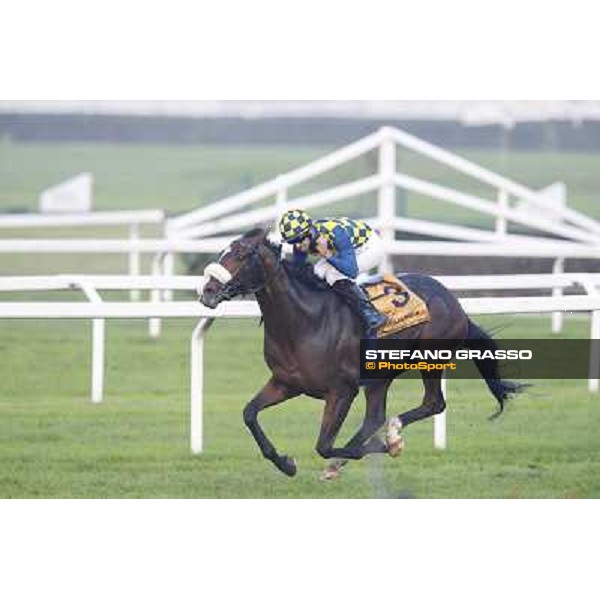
(287, 465)
(395, 449)
(393, 437)
(333, 470)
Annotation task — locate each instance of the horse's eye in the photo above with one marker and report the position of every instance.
(244, 251)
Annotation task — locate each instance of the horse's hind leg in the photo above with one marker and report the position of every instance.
(376, 396)
(363, 442)
(433, 403)
(273, 393)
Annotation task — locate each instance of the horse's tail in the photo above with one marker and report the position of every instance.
(502, 389)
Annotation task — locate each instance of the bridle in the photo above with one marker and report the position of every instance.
(249, 279)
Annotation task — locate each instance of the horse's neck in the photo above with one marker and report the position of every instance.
(288, 306)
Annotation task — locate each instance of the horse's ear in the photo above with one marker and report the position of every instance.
(256, 232)
(272, 241)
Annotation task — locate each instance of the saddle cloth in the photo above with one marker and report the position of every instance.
(397, 302)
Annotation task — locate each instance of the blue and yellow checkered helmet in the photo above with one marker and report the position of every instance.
(295, 225)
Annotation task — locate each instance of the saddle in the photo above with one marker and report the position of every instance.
(402, 307)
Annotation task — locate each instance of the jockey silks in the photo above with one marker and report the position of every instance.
(358, 231)
(343, 237)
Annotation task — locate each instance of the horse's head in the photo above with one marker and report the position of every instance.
(241, 269)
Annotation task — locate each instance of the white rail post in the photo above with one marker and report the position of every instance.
(439, 421)
(168, 266)
(594, 369)
(197, 383)
(387, 193)
(134, 259)
(168, 269)
(557, 317)
(98, 346)
(501, 228)
(154, 323)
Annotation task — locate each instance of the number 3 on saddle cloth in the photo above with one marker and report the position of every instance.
(402, 307)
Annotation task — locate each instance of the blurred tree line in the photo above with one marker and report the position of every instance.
(544, 135)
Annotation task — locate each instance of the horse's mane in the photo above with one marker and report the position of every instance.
(303, 273)
(256, 232)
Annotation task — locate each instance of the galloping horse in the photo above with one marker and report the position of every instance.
(312, 342)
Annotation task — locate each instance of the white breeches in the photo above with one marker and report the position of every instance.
(368, 256)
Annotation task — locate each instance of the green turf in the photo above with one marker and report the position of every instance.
(54, 443)
(183, 177)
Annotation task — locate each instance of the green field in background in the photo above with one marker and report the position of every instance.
(180, 178)
(54, 443)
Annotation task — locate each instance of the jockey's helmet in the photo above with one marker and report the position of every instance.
(295, 225)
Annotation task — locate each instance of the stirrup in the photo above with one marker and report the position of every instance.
(370, 332)
(373, 324)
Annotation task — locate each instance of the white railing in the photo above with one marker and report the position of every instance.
(97, 310)
(499, 182)
(580, 231)
(541, 249)
(163, 251)
(142, 310)
(386, 221)
(153, 283)
(500, 210)
(29, 283)
(482, 244)
(132, 219)
(269, 213)
(529, 248)
(270, 188)
(571, 224)
(112, 246)
(91, 219)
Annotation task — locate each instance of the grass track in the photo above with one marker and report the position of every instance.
(53, 443)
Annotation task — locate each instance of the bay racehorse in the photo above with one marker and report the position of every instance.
(311, 346)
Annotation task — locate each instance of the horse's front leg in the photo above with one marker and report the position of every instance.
(337, 405)
(273, 393)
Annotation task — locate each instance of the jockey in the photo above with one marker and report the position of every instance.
(347, 247)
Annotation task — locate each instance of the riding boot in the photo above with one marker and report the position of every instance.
(355, 297)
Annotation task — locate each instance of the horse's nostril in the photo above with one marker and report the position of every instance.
(209, 300)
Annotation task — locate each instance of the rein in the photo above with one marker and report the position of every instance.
(238, 284)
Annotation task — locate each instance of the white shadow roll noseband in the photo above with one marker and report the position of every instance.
(219, 272)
